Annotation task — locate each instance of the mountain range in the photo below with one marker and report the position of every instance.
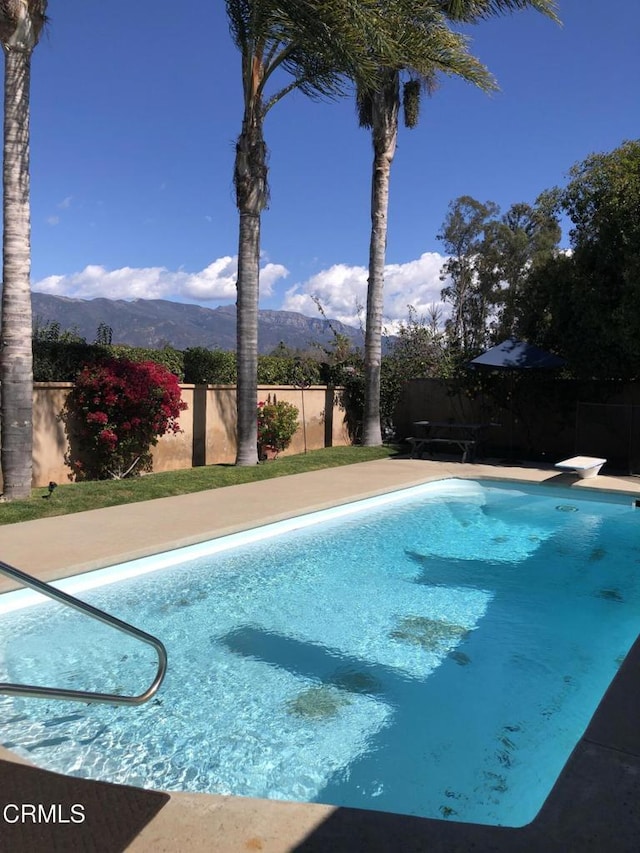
(156, 323)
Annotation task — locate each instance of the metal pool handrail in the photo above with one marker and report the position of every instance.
(35, 691)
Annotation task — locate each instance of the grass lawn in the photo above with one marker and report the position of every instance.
(78, 497)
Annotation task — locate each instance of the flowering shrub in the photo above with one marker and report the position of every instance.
(120, 408)
(277, 424)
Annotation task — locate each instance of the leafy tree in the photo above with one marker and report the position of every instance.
(52, 332)
(419, 346)
(21, 22)
(491, 260)
(470, 294)
(418, 350)
(525, 237)
(546, 311)
(586, 305)
(104, 335)
(282, 350)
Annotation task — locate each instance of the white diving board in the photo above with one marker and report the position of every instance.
(584, 466)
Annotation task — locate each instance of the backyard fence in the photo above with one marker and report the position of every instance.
(208, 427)
(537, 418)
(534, 418)
(610, 431)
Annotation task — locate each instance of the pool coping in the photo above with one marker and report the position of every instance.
(595, 803)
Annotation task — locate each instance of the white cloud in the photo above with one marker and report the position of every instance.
(341, 289)
(216, 282)
(65, 204)
(53, 220)
(269, 275)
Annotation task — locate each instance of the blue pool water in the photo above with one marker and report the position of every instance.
(437, 652)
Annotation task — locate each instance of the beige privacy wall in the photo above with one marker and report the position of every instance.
(208, 427)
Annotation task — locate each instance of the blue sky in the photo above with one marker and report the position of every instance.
(135, 111)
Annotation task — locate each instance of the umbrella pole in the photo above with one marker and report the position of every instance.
(511, 418)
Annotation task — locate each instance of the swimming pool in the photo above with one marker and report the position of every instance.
(436, 652)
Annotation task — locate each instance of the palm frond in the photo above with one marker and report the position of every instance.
(430, 47)
(472, 11)
(325, 44)
(443, 51)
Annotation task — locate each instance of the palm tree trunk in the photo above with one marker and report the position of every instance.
(247, 338)
(16, 360)
(385, 108)
(251, 195)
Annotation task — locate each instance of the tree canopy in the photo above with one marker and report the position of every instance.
(586, 303)
(508, 277)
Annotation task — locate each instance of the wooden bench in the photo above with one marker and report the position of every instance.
(584, 466)
(466, 445)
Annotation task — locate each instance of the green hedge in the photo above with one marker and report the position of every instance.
(56, 361)
(60, 361)
(215, 367)
(287, 370)
(209, 367)
(172, 359)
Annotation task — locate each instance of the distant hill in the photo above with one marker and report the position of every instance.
(156, 323)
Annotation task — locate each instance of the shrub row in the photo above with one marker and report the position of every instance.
(60, 361)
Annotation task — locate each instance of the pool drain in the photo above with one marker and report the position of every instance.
(566, 508)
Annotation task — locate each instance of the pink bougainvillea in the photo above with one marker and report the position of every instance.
(120, 409)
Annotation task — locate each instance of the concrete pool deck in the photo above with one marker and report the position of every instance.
(595, 804)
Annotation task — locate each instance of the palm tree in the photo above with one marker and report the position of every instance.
(321, 45)
(379, 109)
(21, 22)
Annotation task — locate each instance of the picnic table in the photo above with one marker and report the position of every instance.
(465, 436)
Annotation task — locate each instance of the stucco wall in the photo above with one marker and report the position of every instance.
(208, 427)
(49, 436)
(219, 435)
